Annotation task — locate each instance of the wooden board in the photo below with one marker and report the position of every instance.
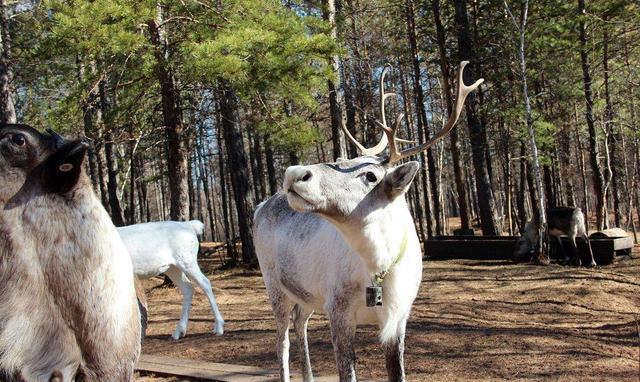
(210, 371)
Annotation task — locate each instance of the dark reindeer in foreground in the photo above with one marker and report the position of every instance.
(68, 309)
(560, 221)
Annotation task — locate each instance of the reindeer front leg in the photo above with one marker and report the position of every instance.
(343, 330)
(394, 357)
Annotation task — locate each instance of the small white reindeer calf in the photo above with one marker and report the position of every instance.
(171, 248)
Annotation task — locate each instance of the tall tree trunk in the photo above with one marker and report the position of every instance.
(350, 107)
(143, 194)
(486, 201)
(240, 176)
(253, 162)
(271, 167)
(583, 176)
(177, 157)
(564, 156)
(112, 183)
(522, 197)
(415, 189)
(204, 169)
(423, 128)
(226, 211)
(111, 162)
(610, 129)
(7, 107)
(458, 172)
(594, 152)
(537, 198)
(192, 187)
(335, 102)
(88, 127)
(257, 148)
(133, 173)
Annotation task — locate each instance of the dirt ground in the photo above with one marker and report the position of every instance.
(472, 321)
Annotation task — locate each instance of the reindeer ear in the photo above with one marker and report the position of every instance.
(61, 171)
(399, 178)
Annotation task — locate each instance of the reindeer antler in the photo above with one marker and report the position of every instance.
(463, 91)
(382, 144)
(389, 138)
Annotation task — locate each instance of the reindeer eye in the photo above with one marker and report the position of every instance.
(18, 139)
(371, 177)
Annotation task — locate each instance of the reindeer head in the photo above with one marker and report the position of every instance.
(351, 189)
(42, 163)
(527, 244)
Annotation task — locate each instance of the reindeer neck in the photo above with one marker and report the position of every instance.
(381, 237)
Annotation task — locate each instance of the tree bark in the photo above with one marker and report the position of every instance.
(257, 148)
(115, 208)
(423, 128)
(537, 198)
(415, 189)
(226, 215)
(112, 183)
(486, 203)
(271, 167)
(240, 175)
(610, 129)
(522, 197)
(458, 171)
(335, 107)
(204, 173)
(177, 157)
(594, 152)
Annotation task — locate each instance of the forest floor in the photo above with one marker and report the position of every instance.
(472, 321)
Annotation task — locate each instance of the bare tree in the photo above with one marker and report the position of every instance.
(521, 27)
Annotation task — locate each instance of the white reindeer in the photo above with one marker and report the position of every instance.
(338, 230)
(68, 309)
(171, 248)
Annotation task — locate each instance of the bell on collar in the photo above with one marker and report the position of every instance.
(374, 296)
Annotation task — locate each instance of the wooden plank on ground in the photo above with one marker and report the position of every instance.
(211, 371)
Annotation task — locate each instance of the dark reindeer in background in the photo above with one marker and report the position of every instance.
(68, 309)
(568, 221)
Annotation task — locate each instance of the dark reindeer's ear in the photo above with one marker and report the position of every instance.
(61, 171)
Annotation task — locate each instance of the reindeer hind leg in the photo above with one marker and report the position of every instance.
(300, 320)
(574, 250)
(566, 260)
(586, 238)
(282, 307)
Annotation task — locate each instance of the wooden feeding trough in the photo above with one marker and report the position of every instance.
(607, 245)
(470, 247)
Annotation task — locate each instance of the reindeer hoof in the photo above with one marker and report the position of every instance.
(179, 333)
(219, 329)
